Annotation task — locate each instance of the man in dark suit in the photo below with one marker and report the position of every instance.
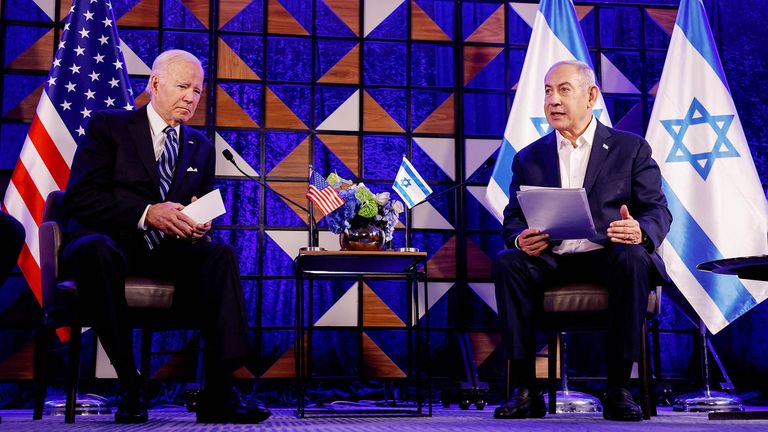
(132, 175)
(623, 186)
(12, 232)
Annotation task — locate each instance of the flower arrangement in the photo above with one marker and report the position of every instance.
(362, 208)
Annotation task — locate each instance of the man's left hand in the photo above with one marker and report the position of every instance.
(200, 230)
(627, 230)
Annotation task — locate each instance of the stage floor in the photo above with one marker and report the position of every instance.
(452, 419)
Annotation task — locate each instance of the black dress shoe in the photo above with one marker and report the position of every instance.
(523, 404)
(230, 409)
(131, 407)
(619, 406)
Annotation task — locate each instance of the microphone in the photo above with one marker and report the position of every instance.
(491, 161)
(231, 158)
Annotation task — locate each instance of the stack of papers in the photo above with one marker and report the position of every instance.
(562, 213)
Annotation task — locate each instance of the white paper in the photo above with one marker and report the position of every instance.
(563, 213)
(206, 208)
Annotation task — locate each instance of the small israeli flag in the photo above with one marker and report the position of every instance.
(409, 185)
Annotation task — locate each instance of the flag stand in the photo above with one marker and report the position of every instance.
(314, 236)
(706, 400)
(408, 247)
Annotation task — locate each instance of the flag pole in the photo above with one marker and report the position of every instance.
(408, 247)
(314, 239)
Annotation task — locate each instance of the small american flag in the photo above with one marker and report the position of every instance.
(323, 195)
(88, 74)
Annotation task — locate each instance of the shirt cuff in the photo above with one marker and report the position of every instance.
(142, 225)
(516, 242)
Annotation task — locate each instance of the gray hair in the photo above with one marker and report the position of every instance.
(585, 72)
(166, 58)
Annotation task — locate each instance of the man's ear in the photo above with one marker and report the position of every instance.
(593, 93)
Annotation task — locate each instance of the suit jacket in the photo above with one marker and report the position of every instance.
(620, 171)
(114, 174)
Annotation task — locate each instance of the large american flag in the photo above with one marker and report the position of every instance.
(323, 195)
(88, 74)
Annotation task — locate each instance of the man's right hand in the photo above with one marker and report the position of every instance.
(168, 218)
(532, 241)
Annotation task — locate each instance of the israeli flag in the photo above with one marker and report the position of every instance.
(709, 178)
(409, 184)
(556, 37)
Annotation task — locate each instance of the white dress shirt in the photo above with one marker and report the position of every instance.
(156, 127)
(573, 160)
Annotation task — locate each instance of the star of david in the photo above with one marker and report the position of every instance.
(722, 147)
(405, 182)
(542, 125)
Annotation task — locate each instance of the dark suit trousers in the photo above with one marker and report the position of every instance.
(12, 234)
(521, 280)
(206, 277)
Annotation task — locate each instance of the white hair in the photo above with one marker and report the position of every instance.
(167, 58)
(586, 74)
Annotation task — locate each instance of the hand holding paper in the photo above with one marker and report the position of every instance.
(206, 208)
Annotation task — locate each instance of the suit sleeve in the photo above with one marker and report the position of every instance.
(649, 205)
(514, 220)
(90, 196)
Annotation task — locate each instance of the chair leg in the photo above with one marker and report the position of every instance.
(645, 382)
(552, 371)
(75, 345)
(43, 343)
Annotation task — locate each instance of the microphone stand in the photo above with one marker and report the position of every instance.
(313, 234)
(487, 164)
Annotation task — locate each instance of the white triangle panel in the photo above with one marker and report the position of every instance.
(343, 312)
(425, 216)
(289, 241)
(442, 151)
(436, 291)
(377, 11)
(346, 117)
(133, 63)
(527, 11)
(477, 151)
(225, 167)
(479, 193)
(487, 292)
(48, 6)
(613, 80)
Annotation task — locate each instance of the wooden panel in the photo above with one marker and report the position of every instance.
(346, 148)
(229, 113)
(483, 345)
(39, 56)
(376, 363)
(19, 364)
(423, 27)
(145, 14)
(282, 22)
(441, 119)
(295, 164)
(200, 9)
(346, 70)
(476, 58)
(376, 312)
(228, 9)
(295, 191)
(375, 118)
(478, 262)
(25, 110)
(285, 366)
(348, 11)
(491, 30)
(665, 18)
(279, 115)
(231, 66)
(443, 263)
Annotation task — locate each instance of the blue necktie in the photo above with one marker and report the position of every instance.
(165, 168)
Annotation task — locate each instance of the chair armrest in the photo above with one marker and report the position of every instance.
(50, 243)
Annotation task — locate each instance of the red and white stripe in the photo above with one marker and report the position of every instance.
(43, 167)
(327, 200)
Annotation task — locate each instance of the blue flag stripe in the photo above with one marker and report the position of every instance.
(562, 20)
(728, 293)
(416, 178)
(404, 195)
(502, 172)
(692, 19)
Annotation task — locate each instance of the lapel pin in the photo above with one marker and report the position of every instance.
(605, 146)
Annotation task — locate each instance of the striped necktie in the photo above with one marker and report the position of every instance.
(165, 167)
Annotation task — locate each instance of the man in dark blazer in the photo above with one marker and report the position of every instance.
(623, 186)
(132, 175)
